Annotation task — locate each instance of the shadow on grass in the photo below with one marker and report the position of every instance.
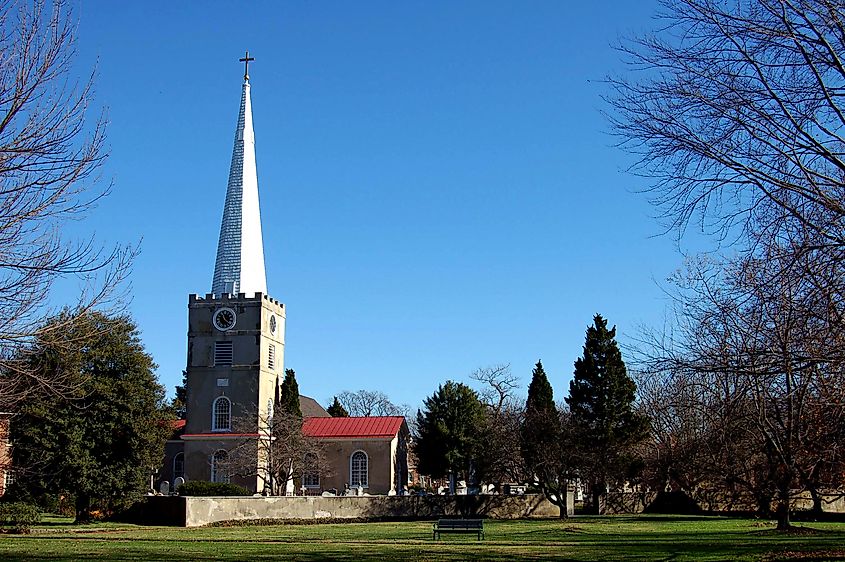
(583, 538)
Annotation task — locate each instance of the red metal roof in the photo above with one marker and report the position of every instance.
(375, 426)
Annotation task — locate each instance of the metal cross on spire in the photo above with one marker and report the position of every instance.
(246, 60)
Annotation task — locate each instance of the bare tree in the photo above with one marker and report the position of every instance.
(556, 467)
(276, 450)
(501, 459)
(49, 158)
(500, 384)
(762, 370)
(366, 403)
(735, 108)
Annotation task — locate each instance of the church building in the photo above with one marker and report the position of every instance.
(235, 360)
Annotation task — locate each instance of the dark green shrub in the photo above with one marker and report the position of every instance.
(200, 488)
(19, 517)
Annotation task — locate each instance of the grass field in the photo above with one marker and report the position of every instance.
(583, 538)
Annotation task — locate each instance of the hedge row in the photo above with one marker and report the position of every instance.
(18, 517)
(200, 488)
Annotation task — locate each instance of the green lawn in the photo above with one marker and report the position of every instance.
(582, 538)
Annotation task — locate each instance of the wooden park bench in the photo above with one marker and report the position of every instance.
(459, 526)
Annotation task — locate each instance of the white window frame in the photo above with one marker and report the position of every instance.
(176, 473)
(216, 424)
(8, 479)
(218, 475)
(311, 478)
(366, 470)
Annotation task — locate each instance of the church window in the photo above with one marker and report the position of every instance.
(359, 469)
(271, 357)
(178, 466)
(311, 472)
(8, 479)
(221, 418)
(222, 353)
(219, 473)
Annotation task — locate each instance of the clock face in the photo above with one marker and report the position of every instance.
(273, 324)
(224, 319)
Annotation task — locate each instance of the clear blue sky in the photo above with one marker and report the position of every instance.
(438, 187)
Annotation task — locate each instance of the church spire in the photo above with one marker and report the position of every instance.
(239, 267)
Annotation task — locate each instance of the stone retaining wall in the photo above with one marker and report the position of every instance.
(715, 501)
(199, 511)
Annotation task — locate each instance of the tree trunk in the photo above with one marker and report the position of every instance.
(783, 509)
(82, 506)
(764, 503)
(598, 490)
(563, 496)
(818, 508)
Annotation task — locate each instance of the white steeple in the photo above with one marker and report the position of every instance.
(239, 267)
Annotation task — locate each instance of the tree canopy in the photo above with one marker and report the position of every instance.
(366, 403)
(601, 398)
(99, 442)
(541, 428)
(545, 441)
(735, 111)
(336, 410)
(51, 154)
(289, 395)
(449, 429)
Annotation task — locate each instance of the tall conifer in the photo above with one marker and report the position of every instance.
(541, 428)
(336, 410)
(601, 398)
(289, 395)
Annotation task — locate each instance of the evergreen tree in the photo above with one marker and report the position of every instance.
(601, 397)
(450, 431)
(180, 401)
(541, 427)
(289, 395)
(545, 456)
(98, 442)
(336, 410)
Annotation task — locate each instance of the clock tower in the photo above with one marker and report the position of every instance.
(236, 333)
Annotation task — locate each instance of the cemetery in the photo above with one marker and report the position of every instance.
(417, 231)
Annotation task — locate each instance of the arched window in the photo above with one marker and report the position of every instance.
(358, 470)
(221, 417)
(219, 472)
(178, 465)
(311, 471)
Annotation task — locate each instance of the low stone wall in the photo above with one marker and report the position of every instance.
(626, 502)
(199, 511)
(714, 501)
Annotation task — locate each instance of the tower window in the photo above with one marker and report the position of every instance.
(222, 353)
(271, 357)
(221, 417)
(358, 469)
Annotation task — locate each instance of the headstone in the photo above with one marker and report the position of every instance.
(164, 487)
(178, 483)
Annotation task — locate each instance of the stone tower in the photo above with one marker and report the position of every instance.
(236, 333)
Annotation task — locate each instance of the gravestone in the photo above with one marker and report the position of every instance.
(178, 483)
(164, 487)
